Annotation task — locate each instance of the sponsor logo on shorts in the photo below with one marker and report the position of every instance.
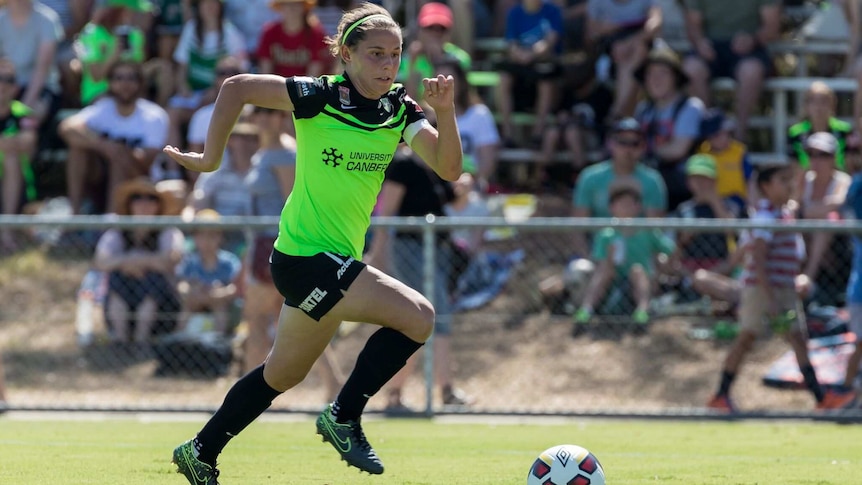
(344, 267)
(312, 300)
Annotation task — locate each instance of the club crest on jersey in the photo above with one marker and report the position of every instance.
(385, 104)
(344, 95)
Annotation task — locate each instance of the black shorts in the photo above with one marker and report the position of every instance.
(314, 284)
(726, 61)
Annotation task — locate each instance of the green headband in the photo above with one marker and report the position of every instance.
(360, 22)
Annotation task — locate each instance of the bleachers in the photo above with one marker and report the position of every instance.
(780, 91)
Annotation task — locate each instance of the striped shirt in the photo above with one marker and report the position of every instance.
(785, 250)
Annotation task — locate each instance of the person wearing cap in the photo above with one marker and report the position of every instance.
(590, 196)
(109, 37)
(624, 31)
(730, 39)
(819, 103)
(671, 118)
(824, 189)
(140, 264)
(733, 165)
(534, 30)
(704, 250)
(121, 131)
(433, 44)
(208, 276)
(29, 35)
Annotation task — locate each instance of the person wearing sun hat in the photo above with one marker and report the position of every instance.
(671, 118)
(432, 44)
(140, 265)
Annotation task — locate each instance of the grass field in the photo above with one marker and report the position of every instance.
(136, 451)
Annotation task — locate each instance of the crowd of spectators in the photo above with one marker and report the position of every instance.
(596, 75)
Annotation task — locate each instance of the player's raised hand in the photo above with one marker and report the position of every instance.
(440, 92)
(190, 160)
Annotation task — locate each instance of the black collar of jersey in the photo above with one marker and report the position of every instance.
(354, 98)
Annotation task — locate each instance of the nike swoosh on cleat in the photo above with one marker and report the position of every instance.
(186, 456)
(343, 445)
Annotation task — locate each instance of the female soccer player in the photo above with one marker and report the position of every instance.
(347, 129)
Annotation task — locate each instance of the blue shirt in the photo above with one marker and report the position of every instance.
(525, 28)
(853, 209)
(227, 267)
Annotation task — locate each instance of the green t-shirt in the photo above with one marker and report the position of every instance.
(10, 126)
(638, 247)
(97, 44)
(426, 69)
(723, 19)
(591, 189)
(344, 145)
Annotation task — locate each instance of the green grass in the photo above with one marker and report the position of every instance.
(130, 452)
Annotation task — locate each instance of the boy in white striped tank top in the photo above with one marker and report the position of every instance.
(773, 267)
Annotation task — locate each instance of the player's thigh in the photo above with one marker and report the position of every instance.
(375, 297)
(299, 342)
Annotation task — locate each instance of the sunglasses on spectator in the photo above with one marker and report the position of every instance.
(628, 143)
(149, 197)
(819, 154)
(436, 28)
(125, 77)
(8, 79)
(227, 72)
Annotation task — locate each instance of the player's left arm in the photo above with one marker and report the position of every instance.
(440, 147)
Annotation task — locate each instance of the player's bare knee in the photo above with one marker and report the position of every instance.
(282, 379)
(422, 323)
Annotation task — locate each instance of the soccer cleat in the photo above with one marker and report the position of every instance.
(721, 403)
(349, 440)
(196, 471)
(837, 399)
(582, 316)
(640, 317)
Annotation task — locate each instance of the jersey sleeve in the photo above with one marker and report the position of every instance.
(308, 95)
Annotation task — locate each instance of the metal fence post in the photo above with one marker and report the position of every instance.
(429, 235)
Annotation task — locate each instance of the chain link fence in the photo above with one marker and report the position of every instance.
(77, 335)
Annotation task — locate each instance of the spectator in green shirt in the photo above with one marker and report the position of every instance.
(17, 142)
(624, 262)
(109, 37)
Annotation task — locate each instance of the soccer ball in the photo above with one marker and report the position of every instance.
(566, 465)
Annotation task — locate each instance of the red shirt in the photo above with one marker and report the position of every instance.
(291, 53)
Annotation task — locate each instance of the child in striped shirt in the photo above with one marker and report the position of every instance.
(769, 300)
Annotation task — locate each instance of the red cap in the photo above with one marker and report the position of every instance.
(435, 13)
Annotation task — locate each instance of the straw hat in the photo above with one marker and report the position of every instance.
(170, 204)
(662, 53)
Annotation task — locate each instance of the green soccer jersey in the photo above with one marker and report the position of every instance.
(344, 145)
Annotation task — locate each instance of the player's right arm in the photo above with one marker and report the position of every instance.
(265, 90)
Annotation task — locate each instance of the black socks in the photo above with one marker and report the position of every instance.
(811, 381)
(384, 355)
(726, 381)
(245, 401)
